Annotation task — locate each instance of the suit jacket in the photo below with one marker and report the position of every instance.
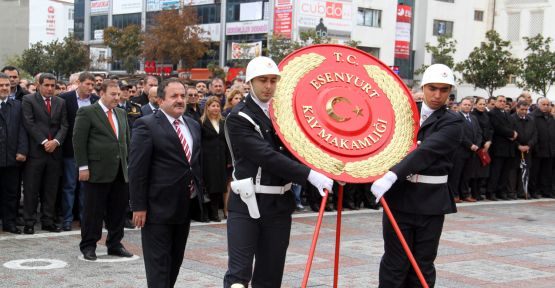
(96, 145)
(146, 109)
(40, 125)
(215, 156)
(503, 130)
(485, 125)
(527, 134)
(251, 151)
(159, 172)
(439, 136)
(20, 92)
(72, 107)
(545, 126)
(472, 135)
(15, 140)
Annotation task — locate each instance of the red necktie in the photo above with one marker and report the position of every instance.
(111, 120)
(48, 107)
(186, 149)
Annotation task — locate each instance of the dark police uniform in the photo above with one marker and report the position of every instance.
(418, 207)
(267, 237)
(133, 110)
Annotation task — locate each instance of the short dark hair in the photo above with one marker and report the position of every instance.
(86, 76)
(4, 76)
(10, 68)
(469, 98)
(46, 76)
(162, 88)
(492, 98)
(522, 104)
(108, 83)
(216, 79)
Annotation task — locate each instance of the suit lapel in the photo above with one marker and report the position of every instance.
(172, 135)
(433, 117)
(121, 123)
(103, 118)
(42, 104)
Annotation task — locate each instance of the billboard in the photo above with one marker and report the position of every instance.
(247, 27)
(127, 6)
(337, 16)
(246, 50)
(49, 20)
(283, 18)
(402, 31)
(100, 6)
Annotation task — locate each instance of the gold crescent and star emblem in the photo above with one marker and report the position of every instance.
(339, 118)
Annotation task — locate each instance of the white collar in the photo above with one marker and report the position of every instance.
(425, 110)
(104, 108)
(171, 119)
(263, 105)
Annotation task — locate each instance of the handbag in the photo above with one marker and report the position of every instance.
(485, 159)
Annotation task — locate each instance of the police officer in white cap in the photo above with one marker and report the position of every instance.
(260, 207)
(417, 190)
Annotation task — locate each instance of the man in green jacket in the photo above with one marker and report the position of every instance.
(100, 141)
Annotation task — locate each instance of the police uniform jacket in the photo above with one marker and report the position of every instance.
(503, 131)
(133, 110)
(439, 136)
(252, 151)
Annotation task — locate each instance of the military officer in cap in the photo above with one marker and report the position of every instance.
(132, 108)
(260, 207)
(417, 187)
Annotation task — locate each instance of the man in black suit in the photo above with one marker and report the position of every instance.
(142, 99)
(16, 91)
(502, 150)
(525, 144)
(465, 155)
(419, 196)
(263, 232)
(45, 118)
(153, 102)
(13, 152)
(165, 177)
(544, 152)
(81, 97)
(100, 141)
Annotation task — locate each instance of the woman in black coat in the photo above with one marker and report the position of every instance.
(481, 172)
(215, 155)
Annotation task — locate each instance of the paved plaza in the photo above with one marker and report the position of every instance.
(487, 244)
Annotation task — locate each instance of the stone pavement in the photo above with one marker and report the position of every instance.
(486, 244)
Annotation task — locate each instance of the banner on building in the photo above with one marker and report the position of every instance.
(247, 27)
(246, 50)
(100, 6)
(402, 31)
(127, 6)
(337, 16)
(283, 18)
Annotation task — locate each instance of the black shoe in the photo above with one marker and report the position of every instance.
(29, 229)
(128, 224)
(89, 255)
(314, 207)
(12, 229)
(502, 197)
(66, 227)
(120, 252)
(51, 228)
(19, 221)
(349, 205)
(215, 219)
(491, 198)
(328, 208)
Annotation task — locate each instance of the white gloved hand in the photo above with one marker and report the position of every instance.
(320, 181)
(383, 184)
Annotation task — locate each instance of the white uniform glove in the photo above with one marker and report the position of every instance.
(383, 184)
(320, 181)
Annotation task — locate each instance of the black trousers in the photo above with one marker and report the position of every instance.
(457, 176)
(41, 174)
(422, 233)
(499, 176)
(9, 182)
(265, 239)
(163, 249)
(108, 202)
(540, 176)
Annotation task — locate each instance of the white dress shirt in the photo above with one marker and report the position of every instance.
(114, 118)
(265, 106)
(425, 112)
(184, 129)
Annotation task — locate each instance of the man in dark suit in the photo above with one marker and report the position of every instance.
(263, 232)
(525, 144)
(465, 154)
(153, 102)
(142, 99)
(80, 97)
(502, 150)
(45, 118)
(100, 141)
(165, 177)
(16, 91)
(544, 152)
(419, 196)
(13, 152)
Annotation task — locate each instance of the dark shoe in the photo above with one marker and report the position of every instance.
(19, 221)
(314, 207)
(458, 200)
(328, 208)
(469, 199)
(89, 255)
(491, 198)
(120, 252)
(536, 196)
(12, 229)
(66, 227)
(215, 219)
(29, 229)
(502, 197)
(128, 224)
(349, 205)
(51, 228)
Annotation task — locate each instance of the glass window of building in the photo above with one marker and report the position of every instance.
(207, 14)
(124, 20)
(443, 28)
(98, 23)
(478, 15)
(252, 10)
(374, 51)
(513, 29)
(79, 20)
(70, 14)
(369, 17)
(536, 23)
